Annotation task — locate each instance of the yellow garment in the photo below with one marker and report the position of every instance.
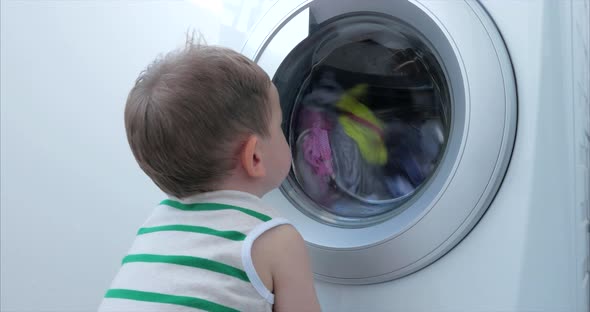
(369, 140)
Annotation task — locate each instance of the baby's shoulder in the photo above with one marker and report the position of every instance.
(278, 237)
(273, 249)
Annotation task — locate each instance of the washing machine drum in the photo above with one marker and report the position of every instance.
(401, 119)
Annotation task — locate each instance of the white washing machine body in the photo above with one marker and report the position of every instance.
(501, 221)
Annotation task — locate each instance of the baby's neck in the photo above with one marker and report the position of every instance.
(244, 186)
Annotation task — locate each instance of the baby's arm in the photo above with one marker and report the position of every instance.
(280, 258)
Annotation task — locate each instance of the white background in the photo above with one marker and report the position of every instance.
(72, 196)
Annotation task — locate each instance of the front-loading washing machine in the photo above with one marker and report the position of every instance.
(440, 150)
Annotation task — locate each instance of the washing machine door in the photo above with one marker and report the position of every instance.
(401, 119)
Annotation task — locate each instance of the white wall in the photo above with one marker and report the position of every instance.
(72, 196)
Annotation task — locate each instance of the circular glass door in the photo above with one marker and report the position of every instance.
(401, 118)
(368, 114)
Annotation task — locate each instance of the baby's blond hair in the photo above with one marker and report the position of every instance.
(187, 113)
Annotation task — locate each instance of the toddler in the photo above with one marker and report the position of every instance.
(204, 123)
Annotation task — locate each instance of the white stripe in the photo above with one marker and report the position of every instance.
(179, 280)
(189, 244)
(232, 198)
(247, 257)
(216, 219)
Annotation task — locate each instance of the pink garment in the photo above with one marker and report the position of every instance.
(317, 152)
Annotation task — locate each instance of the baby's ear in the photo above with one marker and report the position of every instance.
(251, 157)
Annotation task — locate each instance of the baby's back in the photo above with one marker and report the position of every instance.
(195, 254)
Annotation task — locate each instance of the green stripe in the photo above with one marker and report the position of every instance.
(192, 302)
(233, 235)
(213, 206)
(194, 262)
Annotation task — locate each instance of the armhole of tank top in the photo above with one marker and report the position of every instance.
(247, 257)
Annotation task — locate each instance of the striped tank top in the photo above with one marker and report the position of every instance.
(194, 254)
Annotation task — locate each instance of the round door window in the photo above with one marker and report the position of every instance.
(368, 115)
(401, 117)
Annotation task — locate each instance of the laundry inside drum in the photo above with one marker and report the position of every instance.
(369, 124)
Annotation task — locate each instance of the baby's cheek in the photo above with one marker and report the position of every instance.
(286, 157)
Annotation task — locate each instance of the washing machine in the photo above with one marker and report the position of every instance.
(440, 150)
